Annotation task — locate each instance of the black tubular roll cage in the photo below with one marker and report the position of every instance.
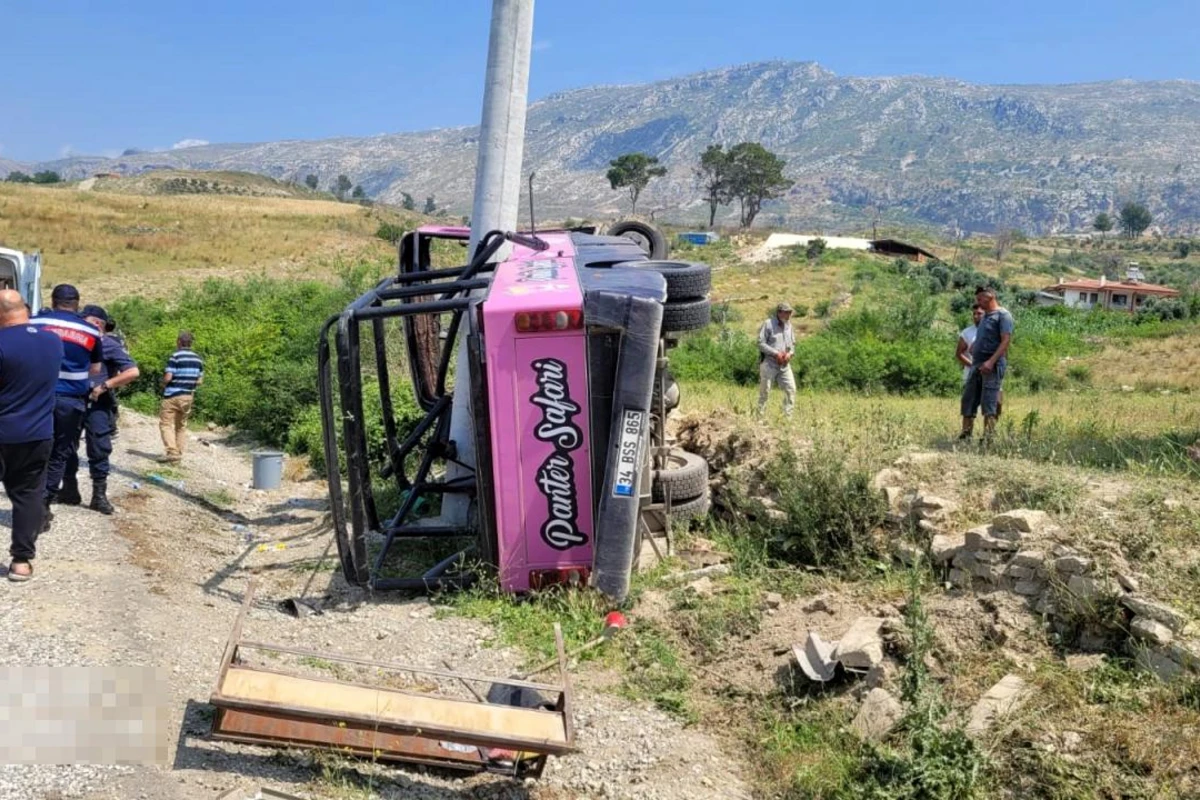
(623, 308)
(405, 295)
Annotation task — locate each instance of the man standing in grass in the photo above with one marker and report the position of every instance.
(185, 371)
(776, 345)
(966, 340)
(989, 361)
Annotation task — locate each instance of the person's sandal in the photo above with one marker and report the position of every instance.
(19, 577)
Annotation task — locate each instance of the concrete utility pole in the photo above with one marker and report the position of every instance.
(502, 129)
(497, 192)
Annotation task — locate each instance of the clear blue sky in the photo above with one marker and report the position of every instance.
(98, 77)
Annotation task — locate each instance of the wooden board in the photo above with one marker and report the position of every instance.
(403, 709)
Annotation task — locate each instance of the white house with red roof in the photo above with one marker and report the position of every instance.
(1125, 295)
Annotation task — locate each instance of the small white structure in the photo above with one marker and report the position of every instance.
(777, 241)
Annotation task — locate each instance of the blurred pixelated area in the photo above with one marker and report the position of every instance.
(83, 715)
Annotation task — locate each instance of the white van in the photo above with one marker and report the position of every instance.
(23, 272)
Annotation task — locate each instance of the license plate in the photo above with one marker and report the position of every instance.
(627, 456)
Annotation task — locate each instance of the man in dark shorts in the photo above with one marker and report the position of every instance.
(989, 361)
(100, 420)
(29, 364)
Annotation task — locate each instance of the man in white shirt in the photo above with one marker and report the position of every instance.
(966, 340)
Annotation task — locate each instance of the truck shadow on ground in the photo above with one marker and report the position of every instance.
(297, 769)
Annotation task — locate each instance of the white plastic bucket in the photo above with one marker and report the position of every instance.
(268, 469)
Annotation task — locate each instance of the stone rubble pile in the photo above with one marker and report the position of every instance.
(1021, 551)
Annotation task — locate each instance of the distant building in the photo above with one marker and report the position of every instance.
(885, 247)
(898, 249)
(1126, 295)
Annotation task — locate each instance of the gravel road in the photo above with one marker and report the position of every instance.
(160, 583)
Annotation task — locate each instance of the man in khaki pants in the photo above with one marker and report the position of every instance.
(776, 345)
(185, 371)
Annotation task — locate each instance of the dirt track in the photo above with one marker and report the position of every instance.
(160, 584)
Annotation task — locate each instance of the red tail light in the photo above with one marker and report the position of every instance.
(537, 321)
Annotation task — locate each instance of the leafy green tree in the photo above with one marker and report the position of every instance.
(1135, 218)
(430, 205)
(341, 187)
(408, 203)
(712, 176)
(634, 171)
(16, 176)
(756, 174)
(358, 193)
(1103, 223)
(311, 182)
(46, 176)
(390, 232)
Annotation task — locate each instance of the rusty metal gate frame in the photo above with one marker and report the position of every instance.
(279, 725)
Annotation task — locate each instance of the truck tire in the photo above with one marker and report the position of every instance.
(647, 237)
(686, 478)
(686, 280)
(689, 315)
(692, 509)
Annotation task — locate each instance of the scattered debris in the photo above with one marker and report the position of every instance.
(1151, 631)
(1159, 612)
(819, 604)
(259, 794)
(816, 658)
(688, 576)
(861, 647)
(998, 702)
(877, 716)
(702, 553)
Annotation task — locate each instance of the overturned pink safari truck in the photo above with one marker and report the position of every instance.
(566, 345)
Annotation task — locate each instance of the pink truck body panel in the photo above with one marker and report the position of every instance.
(538, 398)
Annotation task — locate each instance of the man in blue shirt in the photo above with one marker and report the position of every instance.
(100, 421)
(989, 361)
(29, 366)
(185, 371)
(81, 359)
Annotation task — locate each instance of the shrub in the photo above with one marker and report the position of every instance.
(305, 437)
(815, 249)
(1080, 373)
(821, 309)
(390, 232)
(258, 338)
(724, 313)
(830, 511)
(729, 356)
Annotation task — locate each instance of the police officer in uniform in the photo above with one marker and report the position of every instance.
(81, 359)
(100, 422)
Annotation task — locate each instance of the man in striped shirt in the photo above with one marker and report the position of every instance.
(82, 358)
(185, 371)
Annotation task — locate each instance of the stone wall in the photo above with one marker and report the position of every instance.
(1091, 599)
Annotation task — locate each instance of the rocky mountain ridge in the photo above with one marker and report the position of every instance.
(914, 149)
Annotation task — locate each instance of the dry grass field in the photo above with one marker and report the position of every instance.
(114, 244)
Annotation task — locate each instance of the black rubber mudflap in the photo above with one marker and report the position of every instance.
(639, 319)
